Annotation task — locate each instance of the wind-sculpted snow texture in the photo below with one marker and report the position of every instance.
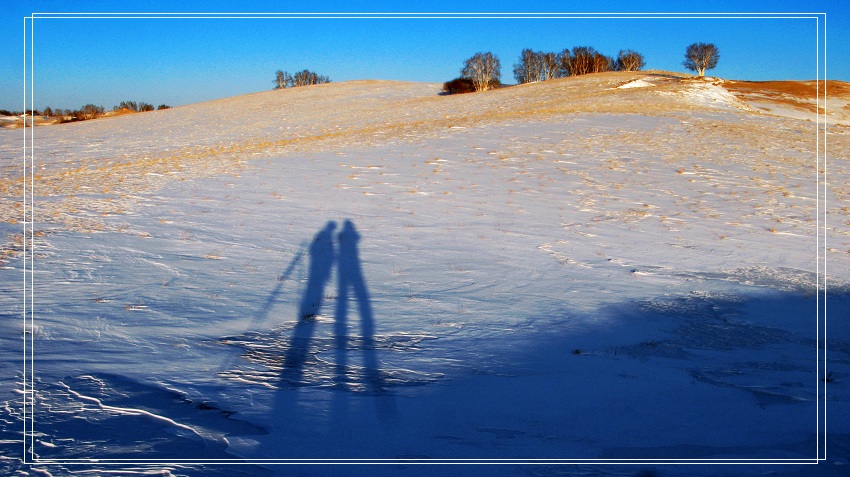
(564, 270)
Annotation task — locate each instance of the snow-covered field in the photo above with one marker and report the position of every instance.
(565, 275)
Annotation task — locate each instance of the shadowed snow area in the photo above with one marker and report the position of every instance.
(576, 270)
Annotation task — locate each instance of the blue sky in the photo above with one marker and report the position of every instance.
(181, 61)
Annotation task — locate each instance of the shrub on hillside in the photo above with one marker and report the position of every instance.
(459, 86)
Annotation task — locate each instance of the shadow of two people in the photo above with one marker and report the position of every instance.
(323, 255)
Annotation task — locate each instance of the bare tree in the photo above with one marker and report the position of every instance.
(91, 111)
(582, 61)
(700, 57)
(629, 60)
(303, 78)
(282, 79)
(483, 69)
(307, 77)
(131, 105)
(526, 71)
(549, 66)
(602, 63)
(536, 66)
(565, 63)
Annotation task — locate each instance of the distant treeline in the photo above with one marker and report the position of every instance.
(140, 107)
(483, 70)
(479, 73)
(89, 111)
(283, 79)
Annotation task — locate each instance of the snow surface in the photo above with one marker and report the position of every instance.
(370, 270)
(638, 83)
(837, 111)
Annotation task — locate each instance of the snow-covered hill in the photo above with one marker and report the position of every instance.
(570, 272)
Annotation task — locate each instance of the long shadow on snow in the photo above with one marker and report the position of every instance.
(756, 343)
(600, 382)
(582, 391)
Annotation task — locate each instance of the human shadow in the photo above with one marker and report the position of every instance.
(350, 280)
(322, 257)
(355, 367)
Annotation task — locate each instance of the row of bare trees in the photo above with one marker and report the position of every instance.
(140, 107)
(91, 111)
(283, 79)
(483, 70)
(540, 66)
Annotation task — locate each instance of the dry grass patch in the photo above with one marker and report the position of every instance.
(800, 89)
